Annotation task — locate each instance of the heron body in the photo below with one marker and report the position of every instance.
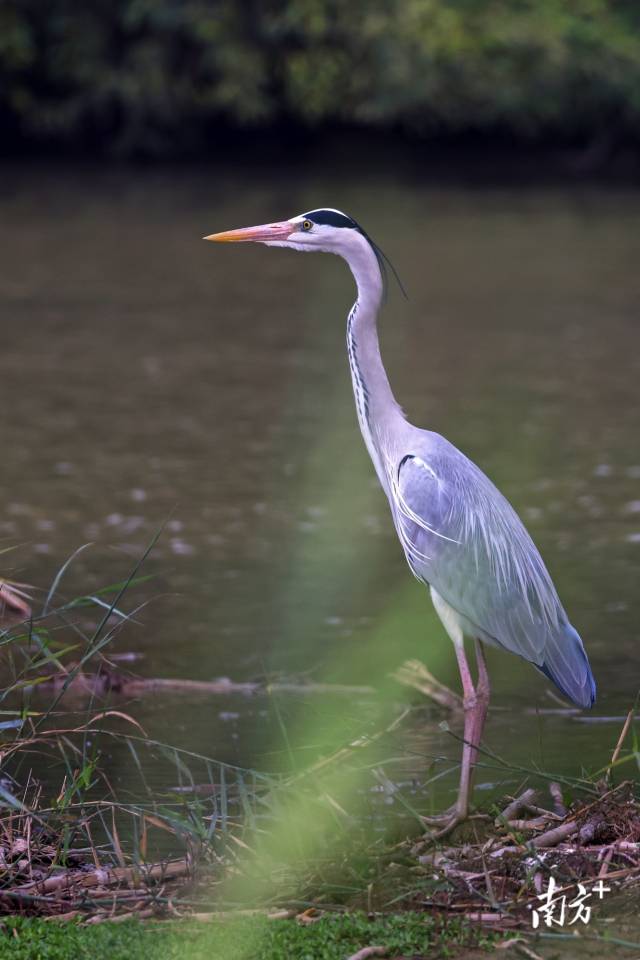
(460, 536)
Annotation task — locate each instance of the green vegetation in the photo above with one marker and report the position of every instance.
(299, 843)
(330, 938)
(165, 76)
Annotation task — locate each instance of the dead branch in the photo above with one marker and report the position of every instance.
(222, 915)
(621, 739)
(556, 795)
(107, 680)
(369, 952)
(538, 824)
(516, 805)
(554, 836)
(105, 876)
(413, 673)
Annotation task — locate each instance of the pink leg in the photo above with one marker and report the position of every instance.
(468, 689)
(476, 702)
(483, 687)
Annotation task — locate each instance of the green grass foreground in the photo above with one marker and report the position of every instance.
(256, 938)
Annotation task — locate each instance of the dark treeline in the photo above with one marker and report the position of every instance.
(164, 77)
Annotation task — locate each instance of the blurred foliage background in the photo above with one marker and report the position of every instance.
(169, 77)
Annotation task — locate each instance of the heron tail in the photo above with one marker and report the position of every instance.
(567, 664)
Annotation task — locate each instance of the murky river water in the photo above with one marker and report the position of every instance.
(151, 380)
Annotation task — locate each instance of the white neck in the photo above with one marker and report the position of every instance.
(376, 405)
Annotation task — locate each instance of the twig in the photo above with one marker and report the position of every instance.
(528, 952)
(556, 795)
(618, 747)
(104, 877)
(487, 917)
(603, 796)
(364, 741)
(120, 917)
(536, 824)
(222, 915)
(369, 952)
(552, 837)
(543, 812)
(414, 674)
(110, 681)
(513, 809)
(606, 860)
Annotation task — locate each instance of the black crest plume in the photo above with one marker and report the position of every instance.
(334, 218)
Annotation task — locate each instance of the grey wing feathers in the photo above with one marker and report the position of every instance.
(463, 537)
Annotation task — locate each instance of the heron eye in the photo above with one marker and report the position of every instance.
(306, 224)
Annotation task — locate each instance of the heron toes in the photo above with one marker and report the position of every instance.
(444, 824)
(438, 819)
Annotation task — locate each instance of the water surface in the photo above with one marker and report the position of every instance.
(151, 380)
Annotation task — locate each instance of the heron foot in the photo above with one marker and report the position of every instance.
(439, 819)
(446, 828)
(442, 824)
(445, 823)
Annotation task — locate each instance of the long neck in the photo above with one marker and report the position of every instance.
(376, 405)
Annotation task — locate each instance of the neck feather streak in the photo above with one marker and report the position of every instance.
(376, 405)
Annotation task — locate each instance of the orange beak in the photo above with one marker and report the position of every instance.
(261, 234)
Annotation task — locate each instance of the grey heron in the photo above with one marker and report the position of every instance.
(460, 536)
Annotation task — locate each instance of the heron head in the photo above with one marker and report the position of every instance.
(327, 230)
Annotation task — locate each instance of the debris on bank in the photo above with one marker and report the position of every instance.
(503, 874)
(52, 866)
